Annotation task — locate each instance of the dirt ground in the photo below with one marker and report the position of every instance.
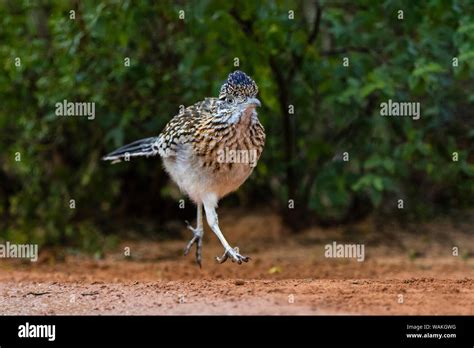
(405, 271)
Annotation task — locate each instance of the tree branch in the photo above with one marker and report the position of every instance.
(298, 59)
(340, 50)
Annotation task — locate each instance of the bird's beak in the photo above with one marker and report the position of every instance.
(254, 101)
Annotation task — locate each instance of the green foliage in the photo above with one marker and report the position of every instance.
(174, 62)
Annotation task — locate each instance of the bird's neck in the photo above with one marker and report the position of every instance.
(244, 117)
(248, 117)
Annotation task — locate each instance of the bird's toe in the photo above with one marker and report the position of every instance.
(234, 255)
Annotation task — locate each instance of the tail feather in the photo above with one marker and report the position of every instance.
(143, 147)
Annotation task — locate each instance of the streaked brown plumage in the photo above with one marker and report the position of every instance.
(192, 145)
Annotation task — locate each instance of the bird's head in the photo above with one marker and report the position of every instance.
(240, 91)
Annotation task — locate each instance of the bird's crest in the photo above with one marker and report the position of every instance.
(238, 84)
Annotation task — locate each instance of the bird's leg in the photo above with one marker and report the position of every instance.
(198, 232)
(233, 253)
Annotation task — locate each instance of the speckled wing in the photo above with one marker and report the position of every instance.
(182, 128)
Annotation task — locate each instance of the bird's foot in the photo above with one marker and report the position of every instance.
(197, 239)
(234, 256)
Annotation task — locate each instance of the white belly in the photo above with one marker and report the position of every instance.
(198, 182)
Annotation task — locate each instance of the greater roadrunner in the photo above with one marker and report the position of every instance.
(194, 146)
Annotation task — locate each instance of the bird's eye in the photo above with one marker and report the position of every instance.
(229, 100)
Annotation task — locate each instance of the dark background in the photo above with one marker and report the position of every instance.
(294, 62)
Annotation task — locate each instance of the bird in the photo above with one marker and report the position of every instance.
(209, 149)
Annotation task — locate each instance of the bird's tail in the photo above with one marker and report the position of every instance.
(143, 147)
